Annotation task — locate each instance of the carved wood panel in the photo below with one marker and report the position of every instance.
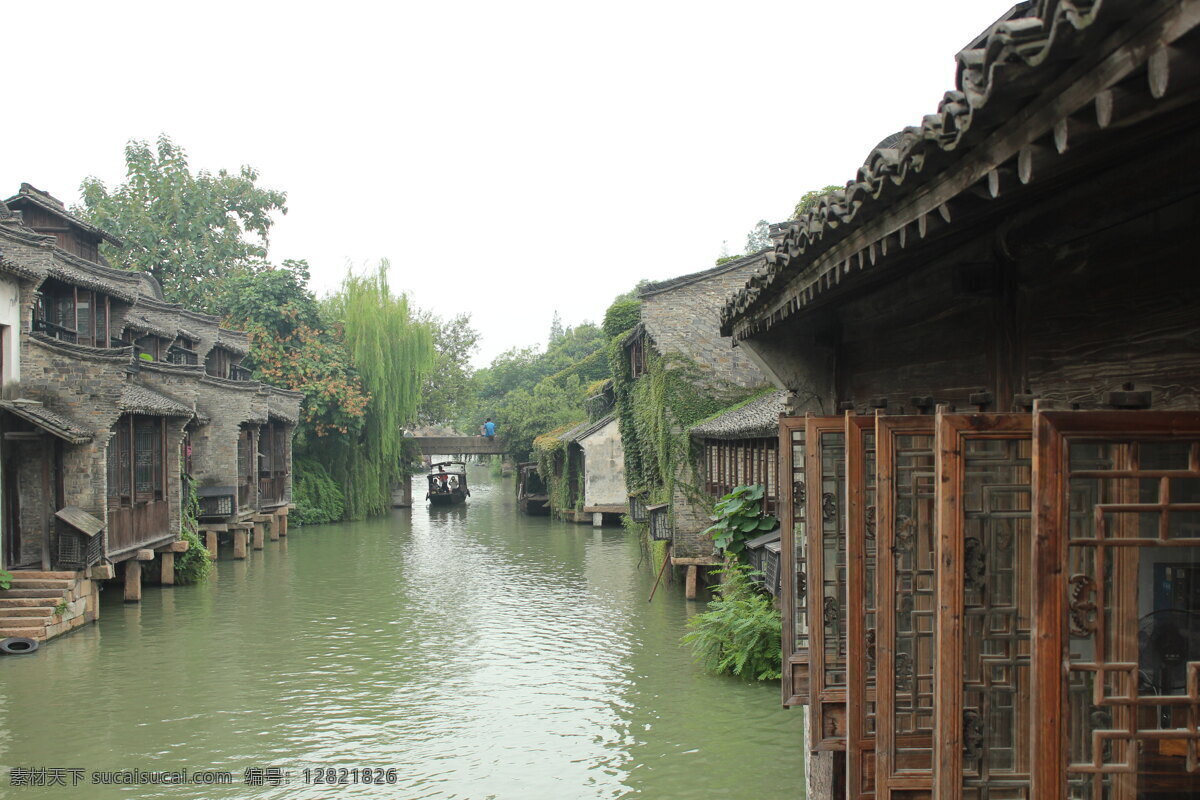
(906, 481)
(793, 558)
(860, 623)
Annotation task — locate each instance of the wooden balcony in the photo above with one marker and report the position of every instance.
(272, 490)
(130, 528)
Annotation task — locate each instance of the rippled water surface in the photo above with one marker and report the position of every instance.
(477, 652)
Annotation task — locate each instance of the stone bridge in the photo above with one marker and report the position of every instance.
(460, 445)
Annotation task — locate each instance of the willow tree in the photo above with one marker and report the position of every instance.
(392, 352)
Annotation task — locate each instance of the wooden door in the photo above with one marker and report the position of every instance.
(825, 439)
(984, 621)
(861, 620)
(1117, 605)
(905, 590)
(793, 559)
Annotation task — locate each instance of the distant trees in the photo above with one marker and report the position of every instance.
(810, 198)
(448, 393)
(190, 231)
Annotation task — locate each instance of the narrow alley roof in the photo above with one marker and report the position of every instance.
(55, 206)
(50, 421)
(759, 417)
(137, 399)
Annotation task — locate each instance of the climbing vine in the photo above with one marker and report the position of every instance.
(550, 452)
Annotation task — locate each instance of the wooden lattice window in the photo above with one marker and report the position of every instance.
(984, 632)
(861, 622)
(905, 581)
(736, 462)
(137, 460)
(826, 512)
(1117, 606)
(793, 562)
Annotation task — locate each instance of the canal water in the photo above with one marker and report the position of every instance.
(445, 653)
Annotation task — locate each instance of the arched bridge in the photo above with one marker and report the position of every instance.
(460, 445)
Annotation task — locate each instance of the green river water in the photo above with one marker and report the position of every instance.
(475, 652)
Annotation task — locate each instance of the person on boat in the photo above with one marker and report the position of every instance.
(489, 429)
(441, 478)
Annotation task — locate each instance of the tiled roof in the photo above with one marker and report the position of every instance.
(146, 326)
(1015, 58)
(757, 418)
(55, 206)
(692, 277)
(52, 422)
(137, 399)
(590, 428)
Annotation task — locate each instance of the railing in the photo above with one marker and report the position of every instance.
(238, 373)
(57, 331)
(271, 490)
(181, 355)
(133, 527)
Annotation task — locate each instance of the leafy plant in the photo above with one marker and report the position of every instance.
(739, 518)
(317, 496)
(60, 608)
(740, 633)
(5, 580)
(194, 564)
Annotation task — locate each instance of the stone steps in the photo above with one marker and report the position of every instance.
(31, 594)
(42, 610)
(28, 602)
(27, 608)
(41, 583)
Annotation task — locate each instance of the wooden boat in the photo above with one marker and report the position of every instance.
(532, 497)
(447, 483)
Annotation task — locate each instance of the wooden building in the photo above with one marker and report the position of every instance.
(992, 509)
(116, 404)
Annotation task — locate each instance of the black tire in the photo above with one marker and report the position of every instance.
(18, 645)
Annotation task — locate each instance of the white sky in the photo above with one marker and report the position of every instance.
(510, 158)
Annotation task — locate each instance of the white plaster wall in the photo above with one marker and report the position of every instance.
(604, 481)
(10, 315)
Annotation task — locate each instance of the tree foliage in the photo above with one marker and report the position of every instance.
(759, 237)
(190, 231)
(809, 199)
(392, 352)
(740, 633)
(448, 393)
(621, 316)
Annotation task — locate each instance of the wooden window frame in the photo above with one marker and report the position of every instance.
(793, 605)
(861, 516)
(953, 430)
(1053, 434)
(891, 782)
(827, 710)
(125, 436)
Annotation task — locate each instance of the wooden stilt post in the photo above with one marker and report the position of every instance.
(133, 581)
(210, 541)
(283, 515)
(275, 524)
(689, 587)
(167, 573)
(260, 531)
(240, 534)
(597, 519)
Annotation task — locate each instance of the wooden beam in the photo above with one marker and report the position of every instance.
(177, 546)
(144, 555)
(133, 581)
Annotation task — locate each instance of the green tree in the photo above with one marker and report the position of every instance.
(759, 237)
(448, 392)
(809, 199)
(190, 231)
(392, 352)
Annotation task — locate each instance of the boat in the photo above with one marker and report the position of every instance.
(447, 483)
(532, 497)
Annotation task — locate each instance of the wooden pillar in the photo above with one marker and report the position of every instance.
(261, 522)
(239, 541)
(133, 581)
(275, 523)
(689, 591)
(210, 541)
(167, 569)
(283, 515)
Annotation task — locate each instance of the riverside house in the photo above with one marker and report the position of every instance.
(991, 536)
(116, 404)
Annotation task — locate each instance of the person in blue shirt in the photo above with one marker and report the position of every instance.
(489, 429)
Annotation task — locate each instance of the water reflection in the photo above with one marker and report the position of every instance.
(478, 652)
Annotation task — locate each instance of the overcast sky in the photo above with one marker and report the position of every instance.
(511, 159)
